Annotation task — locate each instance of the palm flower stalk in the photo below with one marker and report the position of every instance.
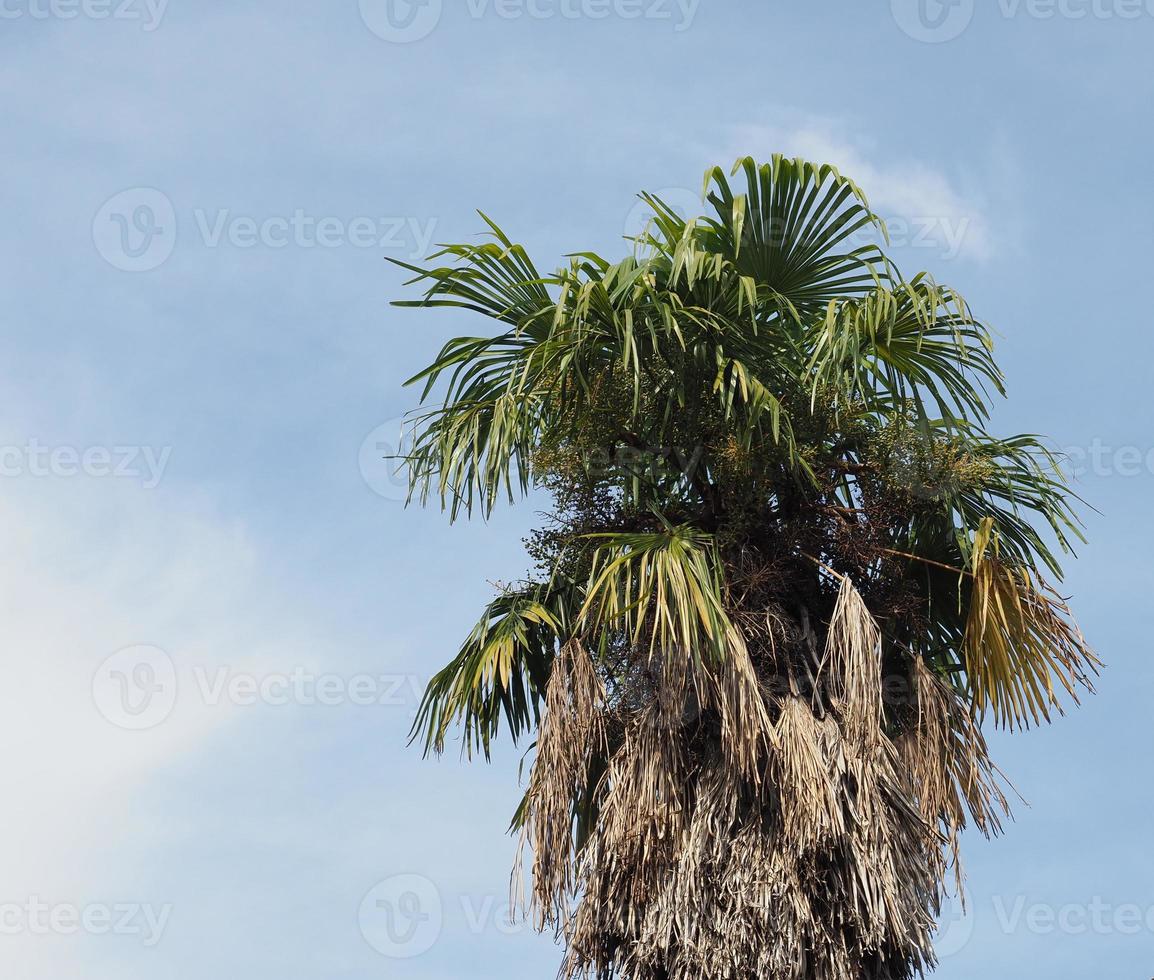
(787, 578)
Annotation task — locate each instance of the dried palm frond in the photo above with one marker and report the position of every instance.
(1020, 639)
(853, 656)
(572, 735)
(948, 764)
(840, 875)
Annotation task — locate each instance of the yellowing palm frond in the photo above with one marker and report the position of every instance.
(1021, 644)
(663, 587)
(500, 672)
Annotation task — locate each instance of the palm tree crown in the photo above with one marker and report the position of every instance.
(788, 575)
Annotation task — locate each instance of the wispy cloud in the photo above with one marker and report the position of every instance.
(92, 567)
(925, 207)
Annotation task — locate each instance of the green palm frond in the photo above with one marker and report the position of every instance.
(791, 231)
(496, 278)
(500, 673)
(897, 345)
(1018, 481)
(664, 589)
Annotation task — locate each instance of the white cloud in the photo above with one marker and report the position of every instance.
(93, 566)
(925, 208)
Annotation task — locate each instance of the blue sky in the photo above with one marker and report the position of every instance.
(198, 348)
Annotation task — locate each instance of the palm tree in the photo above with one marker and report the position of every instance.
(787, 576)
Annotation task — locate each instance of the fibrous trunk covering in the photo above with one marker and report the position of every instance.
(751, 822)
